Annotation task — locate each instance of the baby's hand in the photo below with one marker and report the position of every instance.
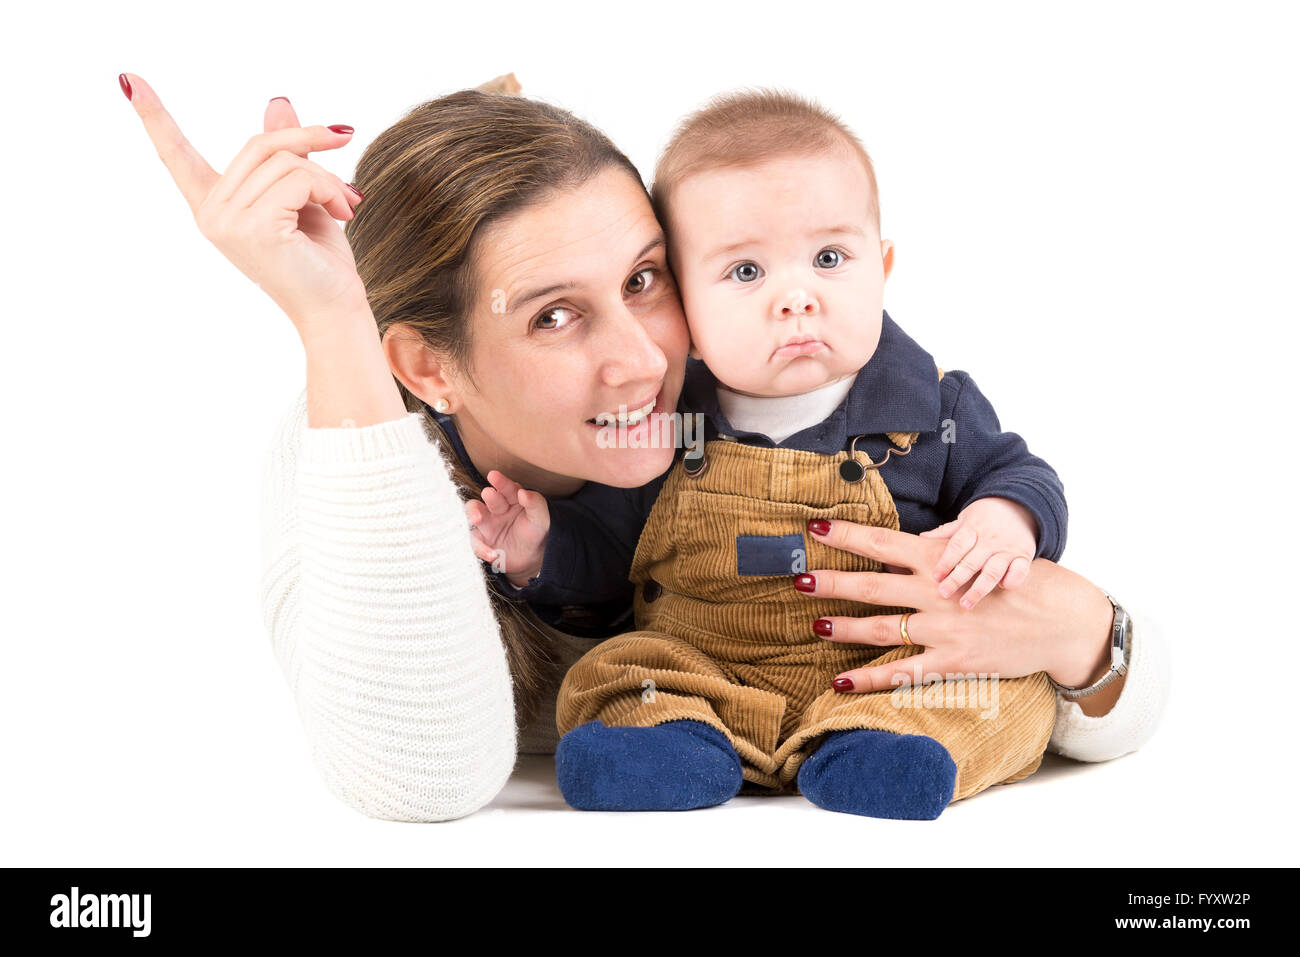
(508, 528)
(996, 535)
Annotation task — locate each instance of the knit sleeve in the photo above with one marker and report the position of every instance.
(1133, 719)
(984, 462)
(380, 620)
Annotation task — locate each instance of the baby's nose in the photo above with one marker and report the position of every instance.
(798, 303)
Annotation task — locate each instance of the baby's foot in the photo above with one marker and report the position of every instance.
(880, 774)
(673, 766)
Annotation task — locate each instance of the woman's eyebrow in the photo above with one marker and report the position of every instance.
(527, 297)
(655, 243)
(530, 295)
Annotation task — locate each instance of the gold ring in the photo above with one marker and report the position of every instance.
(902, 627)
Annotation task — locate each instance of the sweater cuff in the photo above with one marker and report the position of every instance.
(336, 446)
(1133, 719)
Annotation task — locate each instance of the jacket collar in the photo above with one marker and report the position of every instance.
(896, 391)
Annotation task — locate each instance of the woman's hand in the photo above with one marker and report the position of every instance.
(1056, 621)
(508, 528)
(272, 212)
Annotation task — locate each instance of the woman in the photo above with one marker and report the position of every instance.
(509, 260)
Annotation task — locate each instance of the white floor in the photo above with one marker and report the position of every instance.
(1154, 807)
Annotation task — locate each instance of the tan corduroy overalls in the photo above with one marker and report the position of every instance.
(737, 651)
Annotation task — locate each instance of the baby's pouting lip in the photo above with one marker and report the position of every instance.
(799, 346)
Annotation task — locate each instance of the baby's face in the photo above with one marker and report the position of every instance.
(782, 271)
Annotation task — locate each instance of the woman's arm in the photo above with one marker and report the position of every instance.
(379, 617)
(1057, 622)
(377, 610)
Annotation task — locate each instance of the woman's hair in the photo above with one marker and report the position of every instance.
(433, 182)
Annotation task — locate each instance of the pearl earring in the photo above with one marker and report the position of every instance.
(442, 405)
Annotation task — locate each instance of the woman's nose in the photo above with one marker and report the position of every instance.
(631, 354)
(795, 303)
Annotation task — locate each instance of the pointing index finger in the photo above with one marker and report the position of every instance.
(192, 174)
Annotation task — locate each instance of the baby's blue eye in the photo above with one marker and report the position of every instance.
(828, 258)
(745, 272)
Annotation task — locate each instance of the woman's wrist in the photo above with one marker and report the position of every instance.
(1087, 641)
(349, 383)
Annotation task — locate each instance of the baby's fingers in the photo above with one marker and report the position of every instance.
(988, 579)
(496, 502)
(482, 550)
(534, 504)
(474, 512)
(505, 485)
(962, 541)
(1017, 573)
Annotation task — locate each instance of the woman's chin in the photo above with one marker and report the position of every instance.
(632, 468)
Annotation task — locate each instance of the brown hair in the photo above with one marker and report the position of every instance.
(433, 182)
(746, 127)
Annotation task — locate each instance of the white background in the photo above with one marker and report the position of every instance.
(1095, 212)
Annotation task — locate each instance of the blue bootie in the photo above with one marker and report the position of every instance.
(907, 777)
(673, 766)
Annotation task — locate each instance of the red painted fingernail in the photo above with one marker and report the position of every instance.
(843, 684)
(340, 128)
(805, 582)
(125, 84)
(819, 526)
(360, 194)
(822, 626)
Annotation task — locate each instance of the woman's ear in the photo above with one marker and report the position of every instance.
(887, 254)
(418, 367)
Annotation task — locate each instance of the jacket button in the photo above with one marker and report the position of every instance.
(694, 463)
(651, 590)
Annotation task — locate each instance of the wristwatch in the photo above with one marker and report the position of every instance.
(1121, 647)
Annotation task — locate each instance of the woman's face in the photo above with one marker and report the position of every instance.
(576, 317)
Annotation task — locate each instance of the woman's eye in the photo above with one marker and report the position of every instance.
(640, 282)
(745, 272)
(555, 318)
(829, 258)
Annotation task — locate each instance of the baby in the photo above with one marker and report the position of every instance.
(817, 407)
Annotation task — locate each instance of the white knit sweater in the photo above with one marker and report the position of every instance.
(380, 619)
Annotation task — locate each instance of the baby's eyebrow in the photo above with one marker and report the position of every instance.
(841, 229)
(731, 248)
(844, 228)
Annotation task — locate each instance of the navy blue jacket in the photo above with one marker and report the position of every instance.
(961, 455)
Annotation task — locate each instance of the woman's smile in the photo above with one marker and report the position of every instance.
(633, 425)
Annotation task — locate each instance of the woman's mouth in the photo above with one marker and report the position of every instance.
(624, 416)
(632, 423)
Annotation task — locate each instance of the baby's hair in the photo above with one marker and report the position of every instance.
(746, 127)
